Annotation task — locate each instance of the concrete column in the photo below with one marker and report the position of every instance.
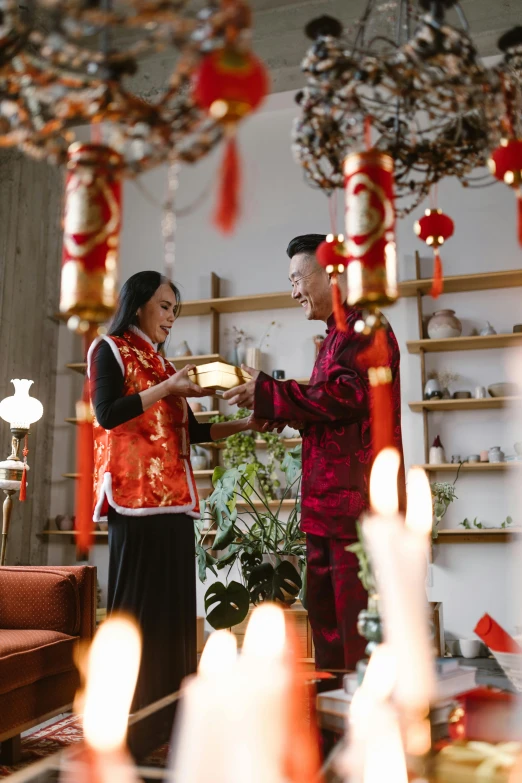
(30, 249)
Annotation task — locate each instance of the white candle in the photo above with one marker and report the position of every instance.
(111, 673)
(263, 682)
(203, 743)
(398, 553)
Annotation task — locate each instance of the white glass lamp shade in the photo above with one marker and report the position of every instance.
(21, 410)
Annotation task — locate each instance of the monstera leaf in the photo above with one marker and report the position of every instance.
(225, 535)
(226, 606)
(205, 560)
(267, 583)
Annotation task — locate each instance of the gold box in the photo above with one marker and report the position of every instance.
(218, 376)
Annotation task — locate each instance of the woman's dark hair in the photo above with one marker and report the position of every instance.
(134, 294)
(306, 243)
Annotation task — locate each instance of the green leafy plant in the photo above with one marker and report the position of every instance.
(241, 448)
(443, 495)
(365, 572)
(269, 554)
(472, 525)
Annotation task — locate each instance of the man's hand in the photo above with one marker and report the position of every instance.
(243, 396)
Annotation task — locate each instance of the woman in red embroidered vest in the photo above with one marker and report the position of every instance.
(143, 479)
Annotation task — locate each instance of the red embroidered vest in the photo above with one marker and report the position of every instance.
(142, 467)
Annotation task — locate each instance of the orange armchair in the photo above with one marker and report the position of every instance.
(44, 613)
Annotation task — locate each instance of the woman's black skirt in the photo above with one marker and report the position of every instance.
(152, 577)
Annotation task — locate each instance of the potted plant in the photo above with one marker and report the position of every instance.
(369, 623)
(267, 554)
(443, 494)
(241, 448)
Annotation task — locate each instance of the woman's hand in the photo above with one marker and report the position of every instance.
(180, 385)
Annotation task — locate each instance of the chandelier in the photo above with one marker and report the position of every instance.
(66, 64)
(423, 97)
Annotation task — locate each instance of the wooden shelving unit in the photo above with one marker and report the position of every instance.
(465, 343)
(490, 536)
(471, 404)
(473, 467)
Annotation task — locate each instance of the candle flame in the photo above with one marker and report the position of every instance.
(381, 673)
(219, 655)
(265, 634)
(419, 514)
(383, 482)
(112, 671)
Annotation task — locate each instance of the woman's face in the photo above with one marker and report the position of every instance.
(157, 315)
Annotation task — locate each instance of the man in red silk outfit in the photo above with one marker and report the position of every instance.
(333, 414)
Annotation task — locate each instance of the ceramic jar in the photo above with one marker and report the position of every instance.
(443, 324)
(495, 454)
(437, 456)
(432, 390)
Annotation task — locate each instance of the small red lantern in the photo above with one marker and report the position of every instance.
(230, 84)
(331, 254)
(505, 164)
(434, 229)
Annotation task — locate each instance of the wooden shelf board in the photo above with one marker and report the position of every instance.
(472, 467)
(261, 444)
(239, 304)
(453, 284)
(203, 473)
(471, 404)
(177, 361)
(201, 416)
(466, 343)
(462, 536)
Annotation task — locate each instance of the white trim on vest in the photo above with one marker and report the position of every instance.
(147, 511)
(114, 348)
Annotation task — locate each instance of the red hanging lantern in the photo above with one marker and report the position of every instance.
(434, 229)
(370, 229)
(88, 297)
(92, 222)
(505, 164)
(230, 84)
(331, 254)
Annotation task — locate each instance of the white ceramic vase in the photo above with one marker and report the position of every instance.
(437, 456)
(444, 324)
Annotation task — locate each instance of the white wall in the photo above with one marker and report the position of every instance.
(469, 579)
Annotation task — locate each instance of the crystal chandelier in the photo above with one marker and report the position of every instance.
(429, 101)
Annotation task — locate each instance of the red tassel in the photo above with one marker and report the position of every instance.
(23, 484)
(338, 309)
(227, 210)
(376, 359)
(85, 468)
(381, 417)
(519, 210)
(437, 286)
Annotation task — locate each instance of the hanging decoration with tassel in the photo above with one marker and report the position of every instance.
(331, 254)
(23, 483)
(505, 164)
(88, 298)
(376, 361)
(434, 229)
(371, 254)
(230, 83)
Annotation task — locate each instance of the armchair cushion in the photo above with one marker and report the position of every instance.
(29, 656)
(42, 599)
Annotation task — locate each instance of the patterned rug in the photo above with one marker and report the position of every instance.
(58, 735)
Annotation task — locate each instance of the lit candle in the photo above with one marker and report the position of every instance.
(398, 552)
(203, 743)
(111, 673)
(375, 750)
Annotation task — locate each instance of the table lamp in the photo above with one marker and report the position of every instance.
(19, 411)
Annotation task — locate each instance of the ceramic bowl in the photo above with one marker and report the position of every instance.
(470, 648)
(503, 389)
(462, 395)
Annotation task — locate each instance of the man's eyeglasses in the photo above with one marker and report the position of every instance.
(293, 283)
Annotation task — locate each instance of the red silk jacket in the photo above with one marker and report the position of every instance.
(142, 467)
(335, 410)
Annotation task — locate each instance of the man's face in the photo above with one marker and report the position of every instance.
(311, 287)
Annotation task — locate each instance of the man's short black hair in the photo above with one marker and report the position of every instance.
(306, 243)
